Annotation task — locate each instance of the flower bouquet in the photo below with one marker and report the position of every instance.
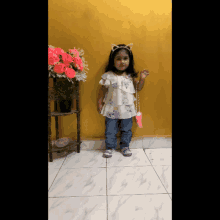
(66, 68)
(67, 65)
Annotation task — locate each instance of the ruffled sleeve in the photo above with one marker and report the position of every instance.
(105, 81)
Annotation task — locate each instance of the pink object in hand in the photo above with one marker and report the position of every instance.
(138, 119)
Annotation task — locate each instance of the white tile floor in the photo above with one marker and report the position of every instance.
(86, 186)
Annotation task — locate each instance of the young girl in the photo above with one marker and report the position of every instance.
(116, 99)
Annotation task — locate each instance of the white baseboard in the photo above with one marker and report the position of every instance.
(136, 143)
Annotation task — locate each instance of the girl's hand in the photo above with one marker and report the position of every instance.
(100, 108)
(144, 74)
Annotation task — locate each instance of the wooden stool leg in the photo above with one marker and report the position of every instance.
(49, 136)
(57, 127)
(50, 143)
(78, 118)
(78, 133)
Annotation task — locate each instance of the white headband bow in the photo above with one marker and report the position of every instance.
(130, 45)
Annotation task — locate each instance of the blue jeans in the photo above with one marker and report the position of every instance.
(111, 130)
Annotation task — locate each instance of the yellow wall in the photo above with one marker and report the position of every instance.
(93, 26)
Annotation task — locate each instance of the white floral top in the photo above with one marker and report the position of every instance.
(119, 100)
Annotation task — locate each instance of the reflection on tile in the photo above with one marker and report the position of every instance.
(155, 142)
(159, 156)
(89, 158)
(138, 158)
(140, 207)
(79, 182)
(77, 208)
(164, 173)
(133, 180)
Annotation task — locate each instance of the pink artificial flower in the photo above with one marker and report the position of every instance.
(51, 61)
(52, 58)
(67, 59)
(74, 51)
(70, 73)
(59, 68)
(77, 60)
(58, 51)
(81, 68)
(50, 50)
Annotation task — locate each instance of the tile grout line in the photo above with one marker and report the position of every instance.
(106, 191)
(156, 173)
(144, 194)
(57, 174)
(106, 174)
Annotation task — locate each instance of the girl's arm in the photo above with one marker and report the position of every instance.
(139, 85)
(103, 90)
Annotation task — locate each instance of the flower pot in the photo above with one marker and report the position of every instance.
(64, 91)
(65, 105)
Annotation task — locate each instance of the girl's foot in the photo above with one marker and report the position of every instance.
(108, 153)
(126, 152)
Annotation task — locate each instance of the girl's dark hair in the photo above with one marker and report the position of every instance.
(110, 66)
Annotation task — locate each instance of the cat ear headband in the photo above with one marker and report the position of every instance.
(130, 45)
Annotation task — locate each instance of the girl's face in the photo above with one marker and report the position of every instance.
(121, 60)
